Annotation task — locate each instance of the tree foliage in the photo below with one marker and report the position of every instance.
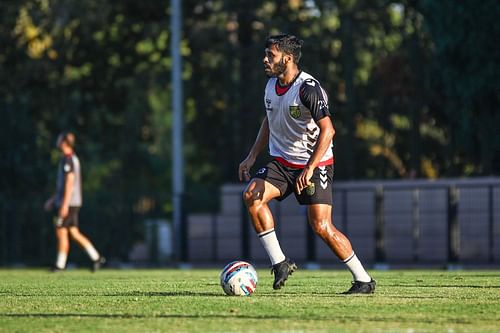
(467, 57)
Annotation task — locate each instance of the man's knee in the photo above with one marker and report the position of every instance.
(252, 194)
(246, 196)
(61, 232)
(322, 226)
(74, 233)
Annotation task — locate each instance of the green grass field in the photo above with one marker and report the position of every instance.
(191, 301)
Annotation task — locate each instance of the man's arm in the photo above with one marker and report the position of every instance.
(68, 190)
(260, 143)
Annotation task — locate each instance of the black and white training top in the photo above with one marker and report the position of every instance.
(292, 113)
(68, 164)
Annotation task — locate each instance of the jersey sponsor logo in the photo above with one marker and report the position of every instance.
(295, 111)
(261, 171)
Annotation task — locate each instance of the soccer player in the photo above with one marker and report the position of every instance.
(67, 201)
(299, 132)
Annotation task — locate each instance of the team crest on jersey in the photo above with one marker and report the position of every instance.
(295, 111)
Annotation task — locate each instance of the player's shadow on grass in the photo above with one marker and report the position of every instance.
(345, 318)
(180, 293)
(124, 294)
(131, 316)
(441, 286)
(184, 293)
(166, 293)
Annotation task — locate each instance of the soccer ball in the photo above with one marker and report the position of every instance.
(238, 278)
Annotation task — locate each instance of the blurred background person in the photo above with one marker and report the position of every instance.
(66, 202)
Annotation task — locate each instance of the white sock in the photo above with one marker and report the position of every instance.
(61, 260)
(92, 252)
(272, 246)
(356, 268)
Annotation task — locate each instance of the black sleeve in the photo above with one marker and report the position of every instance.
(313, 98)
(68, 165)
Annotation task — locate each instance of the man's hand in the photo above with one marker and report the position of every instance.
(303, 180)
(244, 168)
(63, 211)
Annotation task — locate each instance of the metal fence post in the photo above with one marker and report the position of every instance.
(310, 242)
(245, 240)
(416, 223)
(453, 226)
(214, 238)
(3, 235)
(184, 227)
(345, 228)
(491, 225)
(379, 225)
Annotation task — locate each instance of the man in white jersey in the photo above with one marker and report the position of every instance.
(299, 132)
(67, 202)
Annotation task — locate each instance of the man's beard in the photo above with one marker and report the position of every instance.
(278, 69)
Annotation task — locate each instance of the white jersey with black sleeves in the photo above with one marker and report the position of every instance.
(69, 164)
(292, 113)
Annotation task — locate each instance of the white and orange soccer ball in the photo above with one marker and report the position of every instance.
(238, 278)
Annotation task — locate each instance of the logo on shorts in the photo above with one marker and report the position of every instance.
(311, 189)
(323, 177)
(261, 171)
(294, 111)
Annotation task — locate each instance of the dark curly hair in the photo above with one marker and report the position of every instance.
(288, 44)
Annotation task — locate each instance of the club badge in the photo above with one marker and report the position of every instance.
(294, 111)
(310, 189)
